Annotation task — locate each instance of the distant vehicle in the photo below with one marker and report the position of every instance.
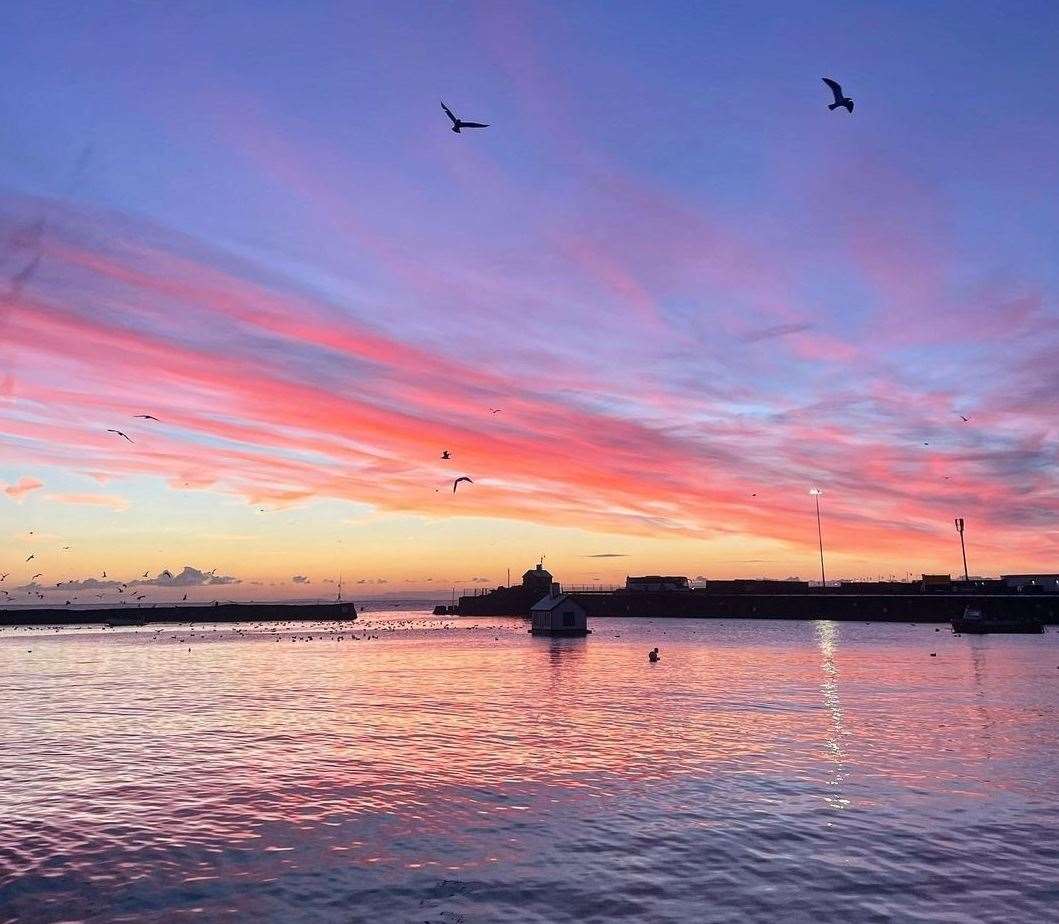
(975, 621)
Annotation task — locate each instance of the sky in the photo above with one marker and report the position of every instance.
(692, 291)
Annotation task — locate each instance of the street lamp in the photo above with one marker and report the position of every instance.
(815, 494)
(963, 548)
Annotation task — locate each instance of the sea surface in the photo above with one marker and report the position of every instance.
(422, 769)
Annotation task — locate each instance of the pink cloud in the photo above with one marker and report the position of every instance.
(22, 487)
(90, 500)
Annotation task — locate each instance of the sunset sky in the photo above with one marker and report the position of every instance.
(693, 291)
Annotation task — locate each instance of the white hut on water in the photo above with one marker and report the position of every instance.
(558, 614)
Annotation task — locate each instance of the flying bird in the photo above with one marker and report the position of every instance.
(495, 410)
(457, 124)
(185, 596)
(4, 575)
(167, 574)
(37, 575)
(31, 557)
(145, 574)
(445, 455)
(146, 417)
(119, 433)
(458, 480)
(841, 100)
(965, 419)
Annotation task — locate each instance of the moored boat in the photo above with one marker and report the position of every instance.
(975, 621)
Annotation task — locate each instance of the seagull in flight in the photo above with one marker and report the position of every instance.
(445, 455)
(841, 100)
(31, 557)
(4, 575)
(458, 480)
(495, 410)
(37, 575)
(146, 417)
(167, 574)
(965, 419)
(119, 433)
(457, 124)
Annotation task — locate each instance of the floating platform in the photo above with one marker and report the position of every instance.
(144, 615)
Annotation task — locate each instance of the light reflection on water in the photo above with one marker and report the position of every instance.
(446, 769)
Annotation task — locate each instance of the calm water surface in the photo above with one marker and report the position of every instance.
(449, 770)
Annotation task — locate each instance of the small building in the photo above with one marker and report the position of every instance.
(538, 580)
(653, 583)
(1032, 583)
(558, 614)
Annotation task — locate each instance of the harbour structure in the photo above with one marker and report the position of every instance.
(218, 612)
(932, 599)
(558, 614)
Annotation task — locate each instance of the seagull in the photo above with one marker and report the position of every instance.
(458, 480)
(445, 455)
(145, 417)
(31, 557)
(119, 433)
(185, 596)
(37, 575)
(840, 98)
(457, 124)
(4, 575)
(145, 574)
(167, 574)
(965, 419)
(495, 410)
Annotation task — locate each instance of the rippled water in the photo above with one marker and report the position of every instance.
(460, 770)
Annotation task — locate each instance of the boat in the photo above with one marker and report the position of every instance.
(976, 621)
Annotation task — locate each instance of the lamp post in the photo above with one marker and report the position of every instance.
(963, 548)
(815, 494)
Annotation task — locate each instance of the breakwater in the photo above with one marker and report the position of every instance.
(935, 608)
(814, 604)
(221, 613)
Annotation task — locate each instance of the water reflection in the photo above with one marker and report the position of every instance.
(827, 638)
(484, 772)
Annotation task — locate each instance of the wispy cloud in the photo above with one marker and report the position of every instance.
(90, 500)
(22, 487)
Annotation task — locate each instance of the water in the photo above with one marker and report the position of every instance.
(450, 770)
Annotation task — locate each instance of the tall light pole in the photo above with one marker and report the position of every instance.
(963, 548)
(815, 494)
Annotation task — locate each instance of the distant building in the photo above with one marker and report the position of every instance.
(1032, 583)
(538, 580)
(653, 583)
(508, 601)
(558, 614)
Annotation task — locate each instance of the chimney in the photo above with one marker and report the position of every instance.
(555, 589)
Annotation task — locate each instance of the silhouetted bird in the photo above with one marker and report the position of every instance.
(185, 596)
(167, 574)
(4, 575)
(145, 574)
(31, 557)
(457, 124)
(495, 410)
(37, 575)
(119, 433)
(146, 417)
(965, 419)
(445, 455)
(841, 100)
(458, 480)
